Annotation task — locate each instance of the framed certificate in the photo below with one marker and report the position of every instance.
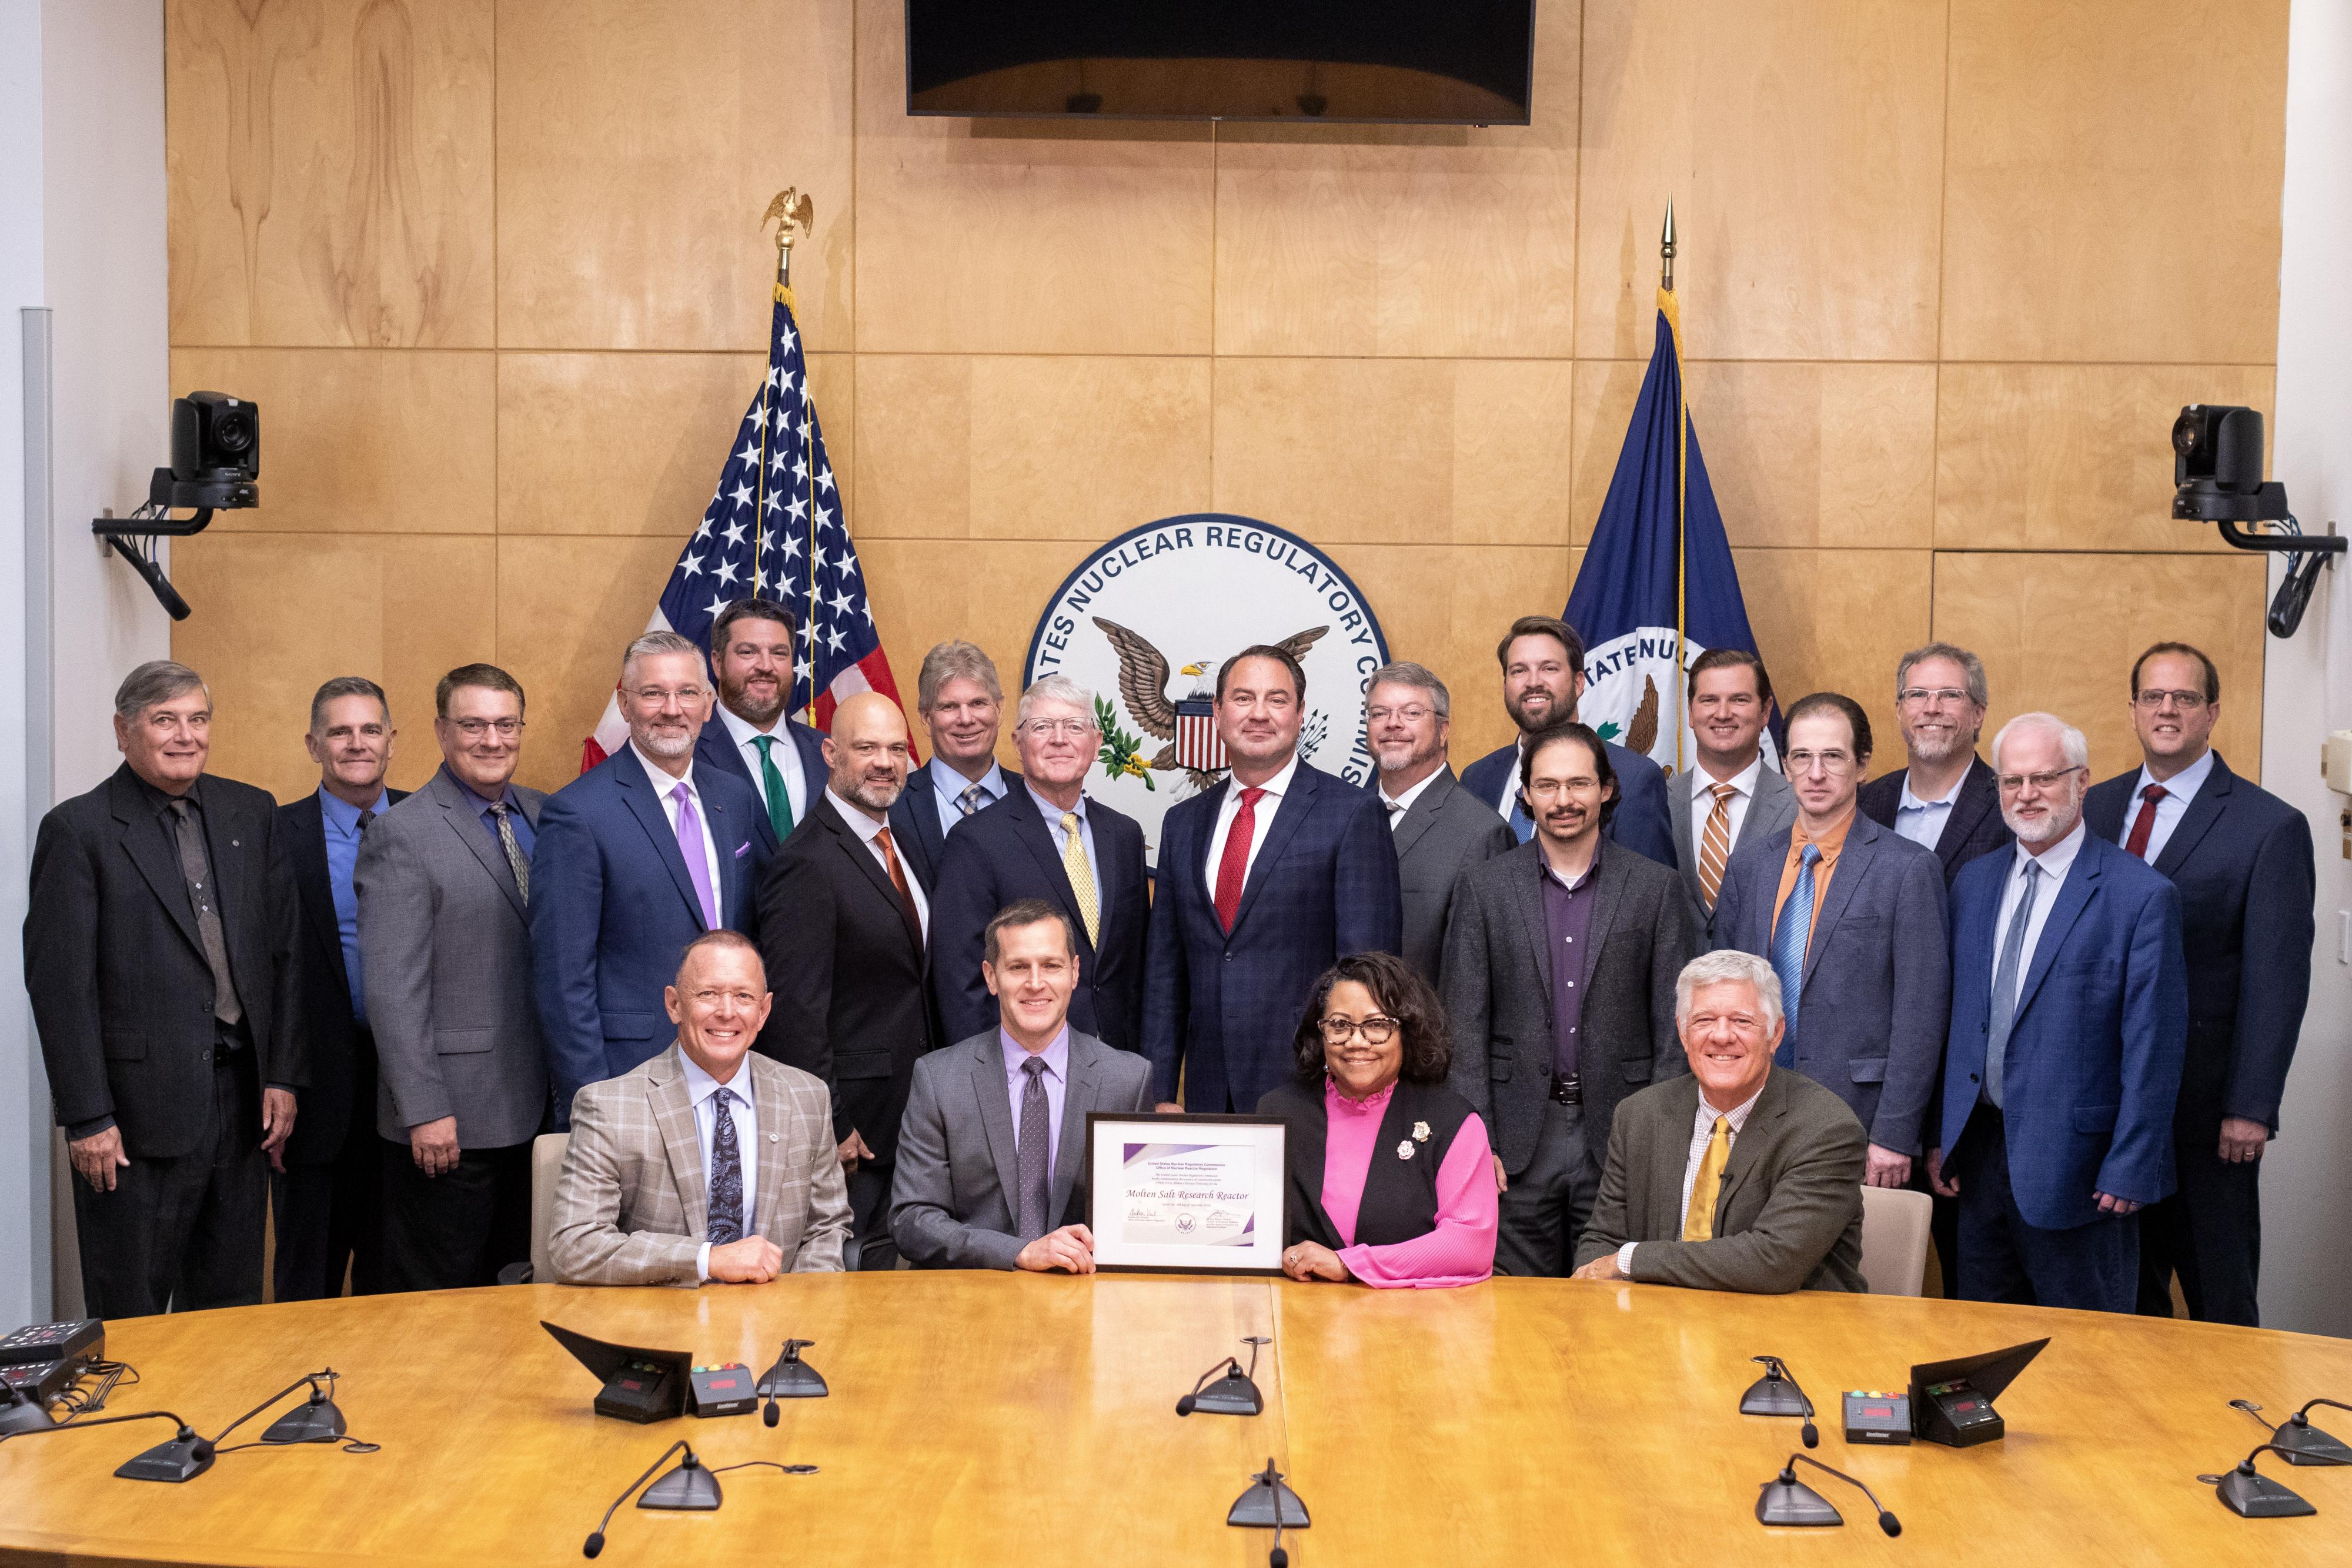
(1186, 1194)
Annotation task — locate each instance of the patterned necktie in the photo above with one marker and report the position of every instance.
(1081, 876)
(2004, 988)
(516, 862)
(1714, 843)
(1698, 1219)
(771, 785)
(689, 845)
(366, 816)
(972, 798)
(2145, 823)
(1788, 940)
(724, 1213)
(227, 1009)
(907, 909)
(1036, 1173)
(1233, 867)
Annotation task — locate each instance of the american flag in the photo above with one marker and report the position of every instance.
(774, 529)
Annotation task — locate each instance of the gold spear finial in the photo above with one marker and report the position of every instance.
(1666, 250)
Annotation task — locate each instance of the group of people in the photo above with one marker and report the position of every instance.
(802, 1004)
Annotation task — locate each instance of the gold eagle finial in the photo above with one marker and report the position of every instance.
(791, 210)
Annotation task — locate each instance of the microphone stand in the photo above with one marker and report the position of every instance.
(688, 1487)
(1267, 1502)
(184, 1457)
(1777, 1394)
(790, 1378)
(2251, 1495)
(1788, 1501)
(2305, 1444)
(1234, 1393)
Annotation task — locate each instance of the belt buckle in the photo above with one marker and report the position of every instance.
(1568, 1090)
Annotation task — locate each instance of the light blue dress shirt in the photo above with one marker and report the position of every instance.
(948, 786)
(1922, 822)
(342, 822)
(703, 1091)
(1053, 815)
(2178, 792)
(1058, 1082)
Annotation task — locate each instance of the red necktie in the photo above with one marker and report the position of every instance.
(2143, 824)
(1232, 868)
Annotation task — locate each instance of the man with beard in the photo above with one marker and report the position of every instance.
(747, 734)
(848, 924)
(636, 858)
(1945, 799)
(2070, 1007)
(1441, 829)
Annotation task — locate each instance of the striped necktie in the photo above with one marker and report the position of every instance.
(1714, 843)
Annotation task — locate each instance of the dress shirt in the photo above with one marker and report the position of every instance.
(1829, 843)
(342, 824)
(2056, 860)
(1398, 805)
(667, 787)
(867, 830)
(1058, 1085)
(1922, 822)
(1053, 815)
(702, 1090)
(1568, 930)
(1702, 805)
(1461, 1249)
(2178, 792)
(1230, 806)
(1508, 801)
(785, 753)
(524, 837)
(1702, 1130)
(947, 786)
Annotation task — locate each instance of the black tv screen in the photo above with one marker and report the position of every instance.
(1468, 62)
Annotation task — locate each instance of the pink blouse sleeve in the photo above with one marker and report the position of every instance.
(1461, 1250)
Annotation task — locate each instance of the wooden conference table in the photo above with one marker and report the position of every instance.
(988, 1419)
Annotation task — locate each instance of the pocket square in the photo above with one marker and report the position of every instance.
(742, 849)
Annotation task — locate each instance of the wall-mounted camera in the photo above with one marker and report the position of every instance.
(2217, 473)
(216, 464)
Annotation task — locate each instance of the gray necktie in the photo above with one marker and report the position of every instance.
(198, 872)
(366, 817)
(970, 799)
(723, 1216)
(1036, 1189)
(2004, 987)
(517, 862)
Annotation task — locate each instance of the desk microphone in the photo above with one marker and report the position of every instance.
(790, 1378)
(1777, 1394)
(1235, 1392)
(688, 1487)
(2249, 1494)
(1788, 1501)
(184, 1457)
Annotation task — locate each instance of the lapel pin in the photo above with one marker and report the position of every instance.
(1421, 1131)
(1404, 1148)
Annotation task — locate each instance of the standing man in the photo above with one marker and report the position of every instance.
(1543, 680)
(847, 923)
(1047, 841)
(1265, 882)
(1731, 799)
(748, 735)
(2070, 1001)
(1441, 829)
(2241, 859)
(636, 858)
(444, 882)
(1559, 984)
(1851, 917)
(159, 950)
(962, 705)
(1943, 798)
(328, 1203)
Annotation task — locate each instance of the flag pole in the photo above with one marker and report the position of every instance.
(1672, 312)
(790, 210)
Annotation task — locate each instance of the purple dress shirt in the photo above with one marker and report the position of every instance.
(1057, 1084)
(1568, 928)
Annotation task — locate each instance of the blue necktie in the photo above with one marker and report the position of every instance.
(2004, 988)
(724, 1214)
(1788, 939)
(1521, 823)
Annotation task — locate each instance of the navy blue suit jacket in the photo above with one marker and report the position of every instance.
(2241, 859)
(612, 908)
(915, 824)
(2094, 1048)
(1222, 1009)
(1640, 823)
(714, 749)
(1974, 827)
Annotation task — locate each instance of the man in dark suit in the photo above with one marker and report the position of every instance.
(1559, 986)
(962, 704)
(635, 858)
(1730, 797)
(1543, 680)
(1736, 1176)
(328, 1202)
(1851, 917)
(1943, 798)
(2241, 859)
(1045, 840)
(846, 920)
(159, 951)
(1441, 830)
(2070, 1001)
(1265, 881)
(747, 734)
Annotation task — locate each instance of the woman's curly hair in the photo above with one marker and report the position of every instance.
(1401, 992)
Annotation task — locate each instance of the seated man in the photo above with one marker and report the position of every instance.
(992, 1155)
(763, 1193)
(1739, 1177)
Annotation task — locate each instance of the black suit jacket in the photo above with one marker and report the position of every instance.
(915, 825)
(715, 747)
(1973, 828)
(121, 994)
(1007, 853)
(2241, 859)
(343, 1068)
(853, 998)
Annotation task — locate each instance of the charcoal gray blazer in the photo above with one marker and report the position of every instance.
(1446, 832)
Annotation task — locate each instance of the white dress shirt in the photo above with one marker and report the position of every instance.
(1230, 806)
(2178, 792)
(1702, 1131)
(947, 786)
(1398, 805)
(785, 753)
(867, 830)
(1702, 804)
(667, 787)
(702, 1089)
(1922, 822)
(2056, 860)
(1508, 801)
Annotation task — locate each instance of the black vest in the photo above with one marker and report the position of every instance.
(1400, 1201)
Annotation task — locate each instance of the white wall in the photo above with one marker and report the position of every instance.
(2308, 681)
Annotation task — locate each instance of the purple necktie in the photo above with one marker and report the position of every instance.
(689, 845)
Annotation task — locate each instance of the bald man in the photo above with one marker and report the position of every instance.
(844, 923)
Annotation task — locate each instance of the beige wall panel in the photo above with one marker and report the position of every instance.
(1802, 143)
(2112, 191)
(278, 615)
(370, 441)
(2059, 632)
(1419, 240)
(328, 171)
(1799, 454)
(567, 607)
(1836, 621)
(1024, 236)
(1006, 447)
(638, 145)
(2072, 457)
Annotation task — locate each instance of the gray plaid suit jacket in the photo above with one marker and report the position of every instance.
(629, 1207)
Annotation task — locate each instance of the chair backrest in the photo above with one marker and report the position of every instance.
(546, 1165)
(1894, 1239)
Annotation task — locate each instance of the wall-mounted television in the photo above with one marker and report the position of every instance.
(1466, 62)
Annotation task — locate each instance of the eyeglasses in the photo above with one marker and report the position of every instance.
(2011, 783)
(1830, 762)
(2187, 702)
(1067, 729)
(1551, 788)
(1376, 1030)
(1413, 715)
(475, 728)
(1932, 696)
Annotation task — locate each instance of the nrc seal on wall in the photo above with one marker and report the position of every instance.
(1145, 620)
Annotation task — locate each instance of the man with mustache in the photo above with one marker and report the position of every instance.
(1561, 963)
(1943, 799)
(1440, 828)
(747, 734)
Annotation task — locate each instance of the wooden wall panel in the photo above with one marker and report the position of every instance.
(1836, 621)
(567, 608)
(2112, 192)
(329, 169)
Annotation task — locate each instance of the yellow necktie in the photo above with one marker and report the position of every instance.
(1082, 878)
(1699, 1221)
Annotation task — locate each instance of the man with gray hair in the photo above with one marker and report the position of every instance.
(1943, 798)
(962, 704)
(1440, 829)
(159, 951)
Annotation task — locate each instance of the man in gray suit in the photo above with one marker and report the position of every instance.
(442, 881)
(1733, 797)
(1559, 983)
(1441, 829)
(1850, 917)
(707, 1162)
(1737, 1177)
(992, 1155)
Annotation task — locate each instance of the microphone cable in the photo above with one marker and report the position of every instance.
(596, 1541)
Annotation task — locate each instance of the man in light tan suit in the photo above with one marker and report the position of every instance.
(707, 1162)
